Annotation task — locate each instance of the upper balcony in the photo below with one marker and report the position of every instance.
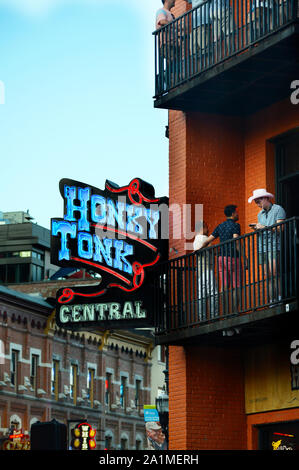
(227, 56)
(246, 287)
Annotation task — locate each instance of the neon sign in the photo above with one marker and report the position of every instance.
(17, 441)
(116, 233)
(83, 437)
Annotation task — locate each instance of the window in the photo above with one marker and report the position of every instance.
(2, 273)
(108, 381)
(90, 386)
(37, 273)
(137, 393)
(33, 371)
(55, 379)
(108, 442)
(73, 383)
(123, 392)
(124, 443)
(14, 368)
(13, 273)
(138, 444)
(23, 254)
(37, 255)
(161, 354)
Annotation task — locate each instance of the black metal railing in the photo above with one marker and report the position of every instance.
(213, 32)
(254, 271)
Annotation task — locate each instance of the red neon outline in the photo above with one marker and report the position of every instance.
(17, 436)
(104, 268)
(132, 188)
(68, 294)
(126, 234)
(138, 269)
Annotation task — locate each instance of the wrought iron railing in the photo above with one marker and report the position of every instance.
(254, 271)
(213, 32)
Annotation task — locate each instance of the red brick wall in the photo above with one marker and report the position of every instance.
(206, 166)
(177, 398)
(207, 399)
(181, 6)
(218, 160)
(215, 161)
(215, 165)
(259, 151)
(177, 175)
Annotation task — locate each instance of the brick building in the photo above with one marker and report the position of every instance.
(226, 71)
(24, 249)
(102, 377)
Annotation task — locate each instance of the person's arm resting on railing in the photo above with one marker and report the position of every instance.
(260, 226)
(207, 241)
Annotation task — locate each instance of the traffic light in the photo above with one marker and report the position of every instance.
(83, 437)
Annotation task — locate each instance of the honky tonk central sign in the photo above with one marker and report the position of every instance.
(116, 233)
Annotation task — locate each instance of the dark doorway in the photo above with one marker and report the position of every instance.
(279, 436)
(287, 173)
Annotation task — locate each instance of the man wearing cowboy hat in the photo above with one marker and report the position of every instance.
(269, 243)
(155, 436)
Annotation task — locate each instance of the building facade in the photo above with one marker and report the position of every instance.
(226, 72)
(24, 249)
(102, 377)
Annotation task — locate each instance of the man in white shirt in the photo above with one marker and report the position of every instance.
(207, 290)
(165, 46)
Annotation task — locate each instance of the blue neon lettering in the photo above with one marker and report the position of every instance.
(83, 196)
(153, 218)
(115, 212)
(85, 246)
(133, 225)
(65, 229)
(122, 249)
(98, 209)
(102, 250)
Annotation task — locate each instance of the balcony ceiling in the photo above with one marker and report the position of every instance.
(245, 83)
(252, 328)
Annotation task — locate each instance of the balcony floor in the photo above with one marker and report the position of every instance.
(254, 327)
(242, 84)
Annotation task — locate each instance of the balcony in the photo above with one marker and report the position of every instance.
(227, 56)
(229, 288)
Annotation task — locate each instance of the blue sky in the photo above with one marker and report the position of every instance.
(79, 82)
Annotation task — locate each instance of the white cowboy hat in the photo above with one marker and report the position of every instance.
(257, 193)
(152, 425)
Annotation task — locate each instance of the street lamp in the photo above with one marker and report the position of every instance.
(163, 410)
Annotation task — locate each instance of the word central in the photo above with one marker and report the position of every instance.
(101, 311)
